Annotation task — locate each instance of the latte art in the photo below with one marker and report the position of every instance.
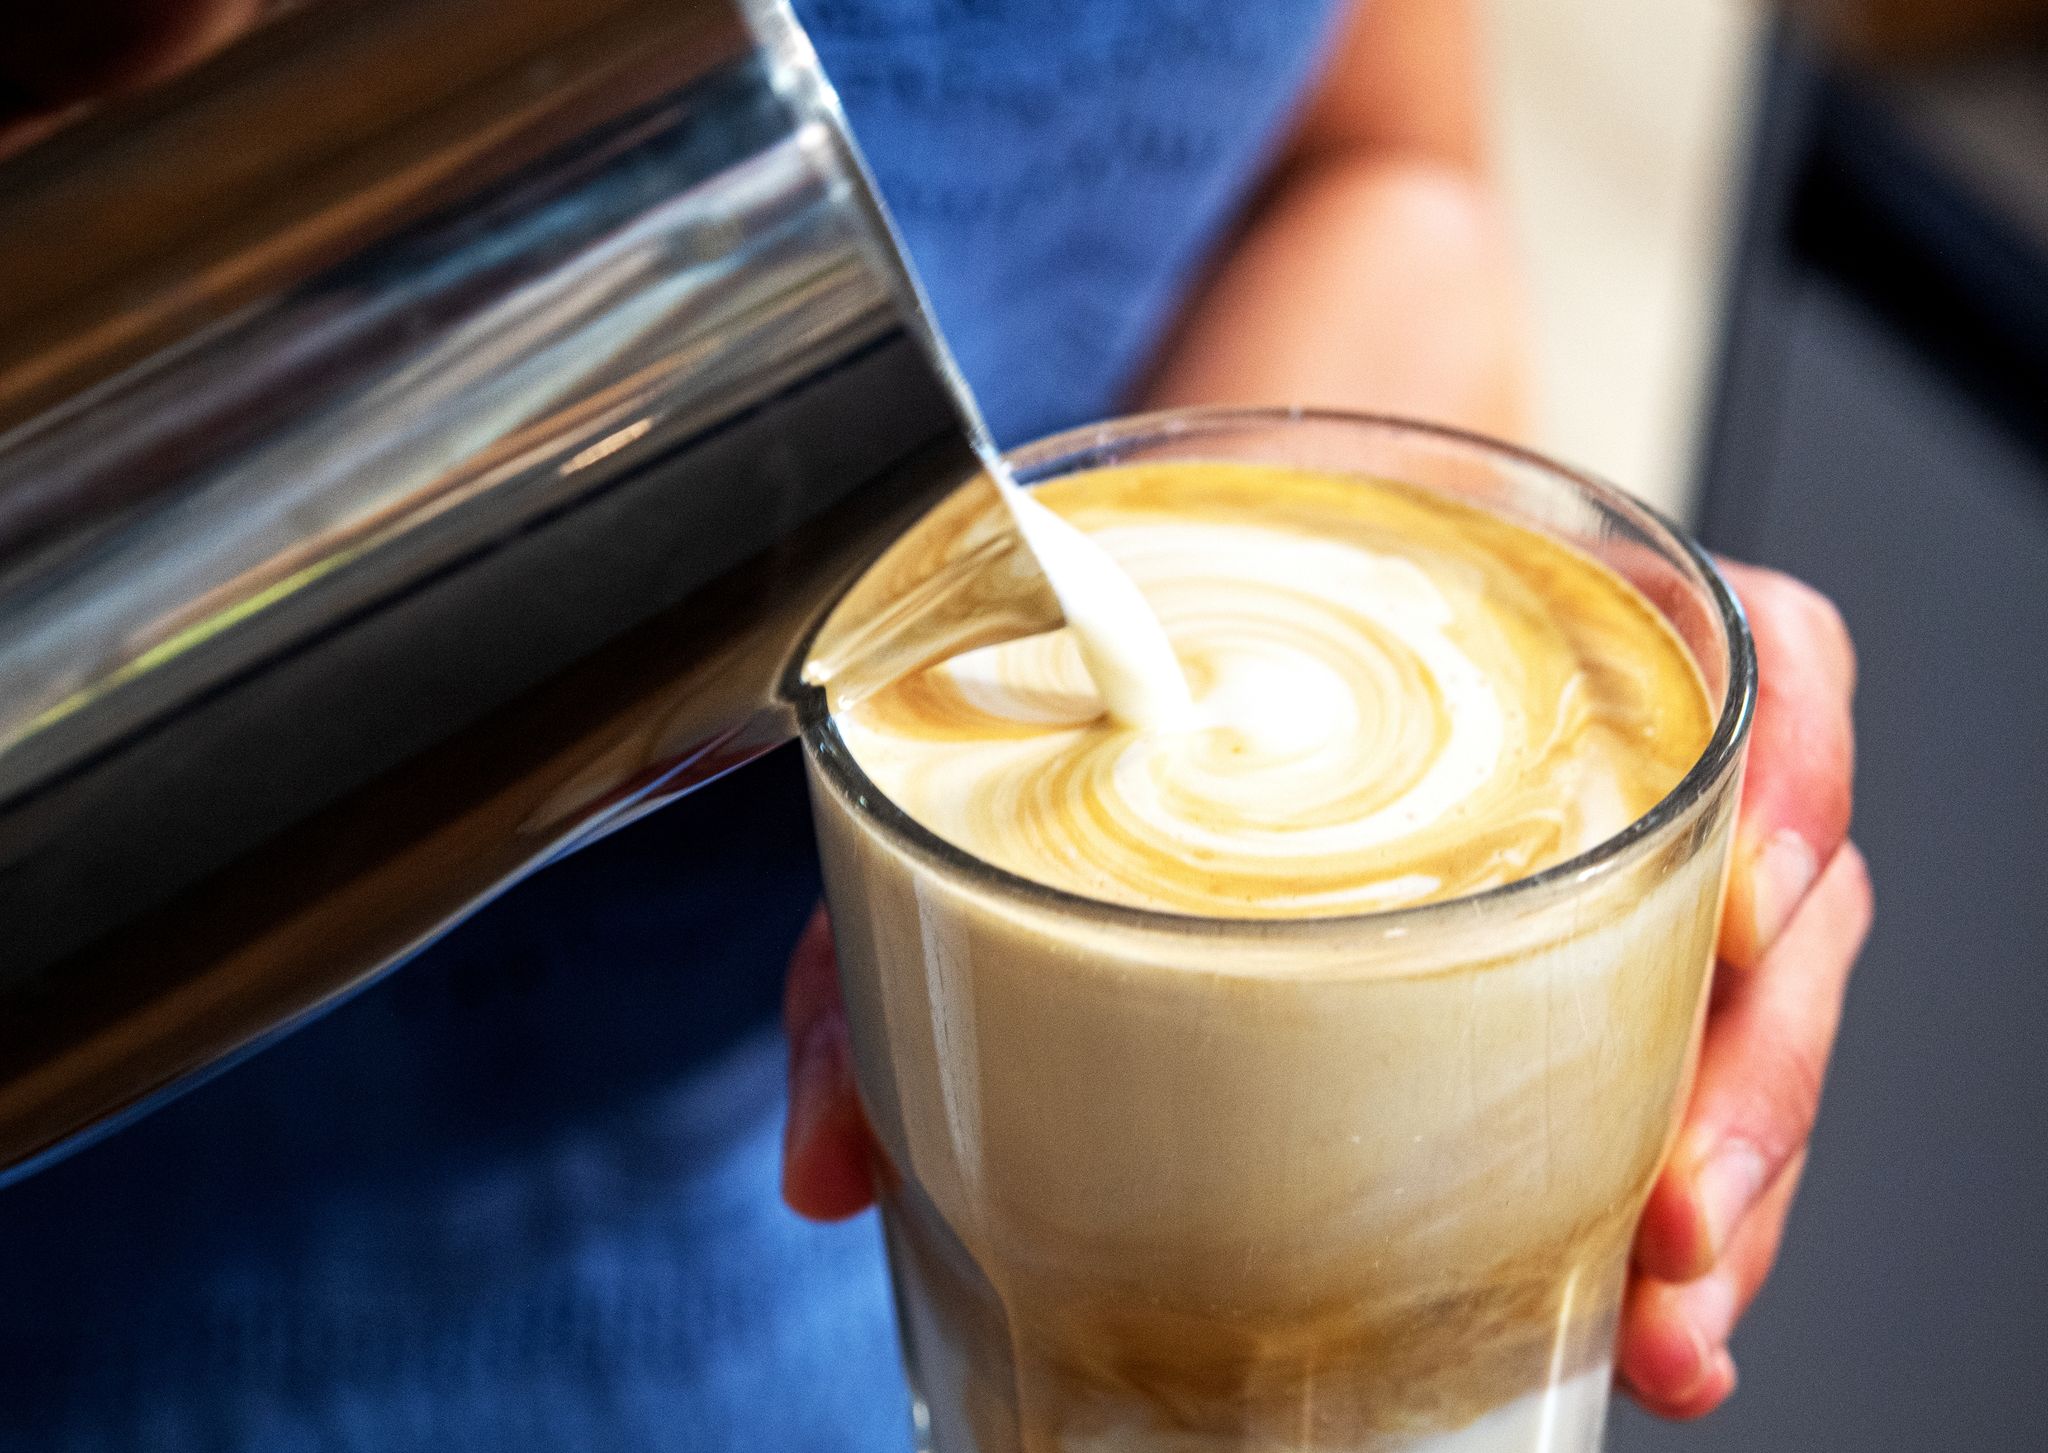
(1395, 699)
(1335, 1185)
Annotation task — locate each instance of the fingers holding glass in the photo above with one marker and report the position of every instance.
(1715, 1217)
(825, 1141)
(1796, 796)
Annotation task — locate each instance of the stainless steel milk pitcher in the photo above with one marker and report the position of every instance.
(427, 431)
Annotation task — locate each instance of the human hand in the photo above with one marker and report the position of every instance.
(1798, 908)
(825, 1141)
(1799, 905)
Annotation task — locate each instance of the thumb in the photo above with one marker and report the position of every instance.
(825, 1141)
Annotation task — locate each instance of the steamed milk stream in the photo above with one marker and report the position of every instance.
(1115, 633)
(1146, 1191)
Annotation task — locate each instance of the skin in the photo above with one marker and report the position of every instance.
(1385, 200)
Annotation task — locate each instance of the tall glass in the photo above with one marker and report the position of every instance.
(1158, 1182)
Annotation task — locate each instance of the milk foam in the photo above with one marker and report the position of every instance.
(1122, 644)
(1383, 698)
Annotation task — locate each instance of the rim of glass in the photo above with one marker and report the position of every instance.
(1069, 452)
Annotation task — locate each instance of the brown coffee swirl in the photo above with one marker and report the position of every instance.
(1397, 699)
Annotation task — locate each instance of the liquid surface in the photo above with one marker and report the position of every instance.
(1122, 645)
(1395, 699)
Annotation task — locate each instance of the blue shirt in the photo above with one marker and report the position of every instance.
(523, 1194)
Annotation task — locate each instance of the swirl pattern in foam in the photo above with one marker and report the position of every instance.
(1397, 698)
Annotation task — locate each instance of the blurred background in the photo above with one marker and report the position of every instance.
(1790, 281)
(1620, 131)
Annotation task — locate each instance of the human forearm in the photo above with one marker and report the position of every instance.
(1383, 283)
(1377, 272)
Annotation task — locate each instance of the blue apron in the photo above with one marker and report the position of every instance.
(522, 1195)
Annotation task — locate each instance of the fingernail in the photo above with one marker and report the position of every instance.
(1727, 1186)
(1783, 871)
(1721, 1373)
(1709, 1308)
(1698, 1368)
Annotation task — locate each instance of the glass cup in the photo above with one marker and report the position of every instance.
(1161, 1182)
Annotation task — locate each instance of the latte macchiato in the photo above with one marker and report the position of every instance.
(1207, 1148)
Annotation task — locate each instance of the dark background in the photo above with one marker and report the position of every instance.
(1881, 428)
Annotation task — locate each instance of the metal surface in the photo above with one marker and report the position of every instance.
(426, 431)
